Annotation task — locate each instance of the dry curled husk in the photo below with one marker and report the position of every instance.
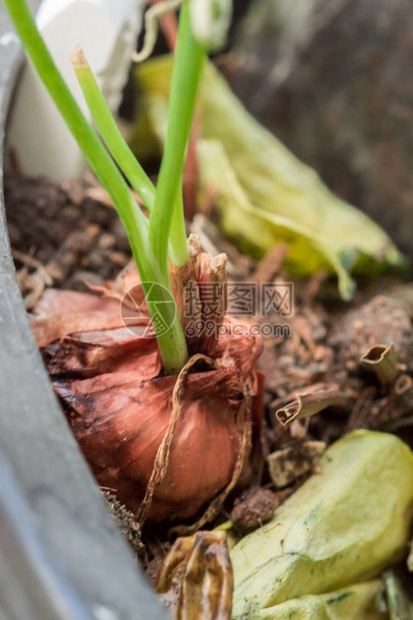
(343, 526)
(119, 405)
(196, 581)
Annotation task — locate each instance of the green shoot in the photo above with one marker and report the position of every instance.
(172, 343)
(164, 233)
(117, 146)
(109, 131)
(188, 63)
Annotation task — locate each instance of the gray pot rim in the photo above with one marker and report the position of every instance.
(61, 555)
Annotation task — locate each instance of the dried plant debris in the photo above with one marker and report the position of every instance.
(288, 464)
(381, 359)
(196, 580)
(253, 508)
(307, 404)
(382, 320)
(344, 525)
(332, 354)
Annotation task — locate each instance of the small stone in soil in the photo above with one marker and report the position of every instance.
(255, 507)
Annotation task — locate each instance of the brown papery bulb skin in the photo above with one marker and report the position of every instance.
(119, 406)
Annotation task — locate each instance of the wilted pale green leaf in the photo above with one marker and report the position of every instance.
(265, 195)
(358, 602)
(342, 526)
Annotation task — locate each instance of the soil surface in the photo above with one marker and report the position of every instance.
(324, 380)
(65, 232)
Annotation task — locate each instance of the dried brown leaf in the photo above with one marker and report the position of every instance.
(307, 404)
(381, 359)
(196, 581)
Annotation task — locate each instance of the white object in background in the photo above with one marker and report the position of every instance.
(107, 30)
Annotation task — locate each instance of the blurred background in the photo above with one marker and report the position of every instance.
(332, 80)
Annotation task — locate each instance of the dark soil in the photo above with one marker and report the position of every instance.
(69, 235)
(62, 229)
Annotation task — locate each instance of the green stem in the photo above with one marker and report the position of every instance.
(178, 244)
(186, 73)
(109, 131)
(120, 151)
(172, 343)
